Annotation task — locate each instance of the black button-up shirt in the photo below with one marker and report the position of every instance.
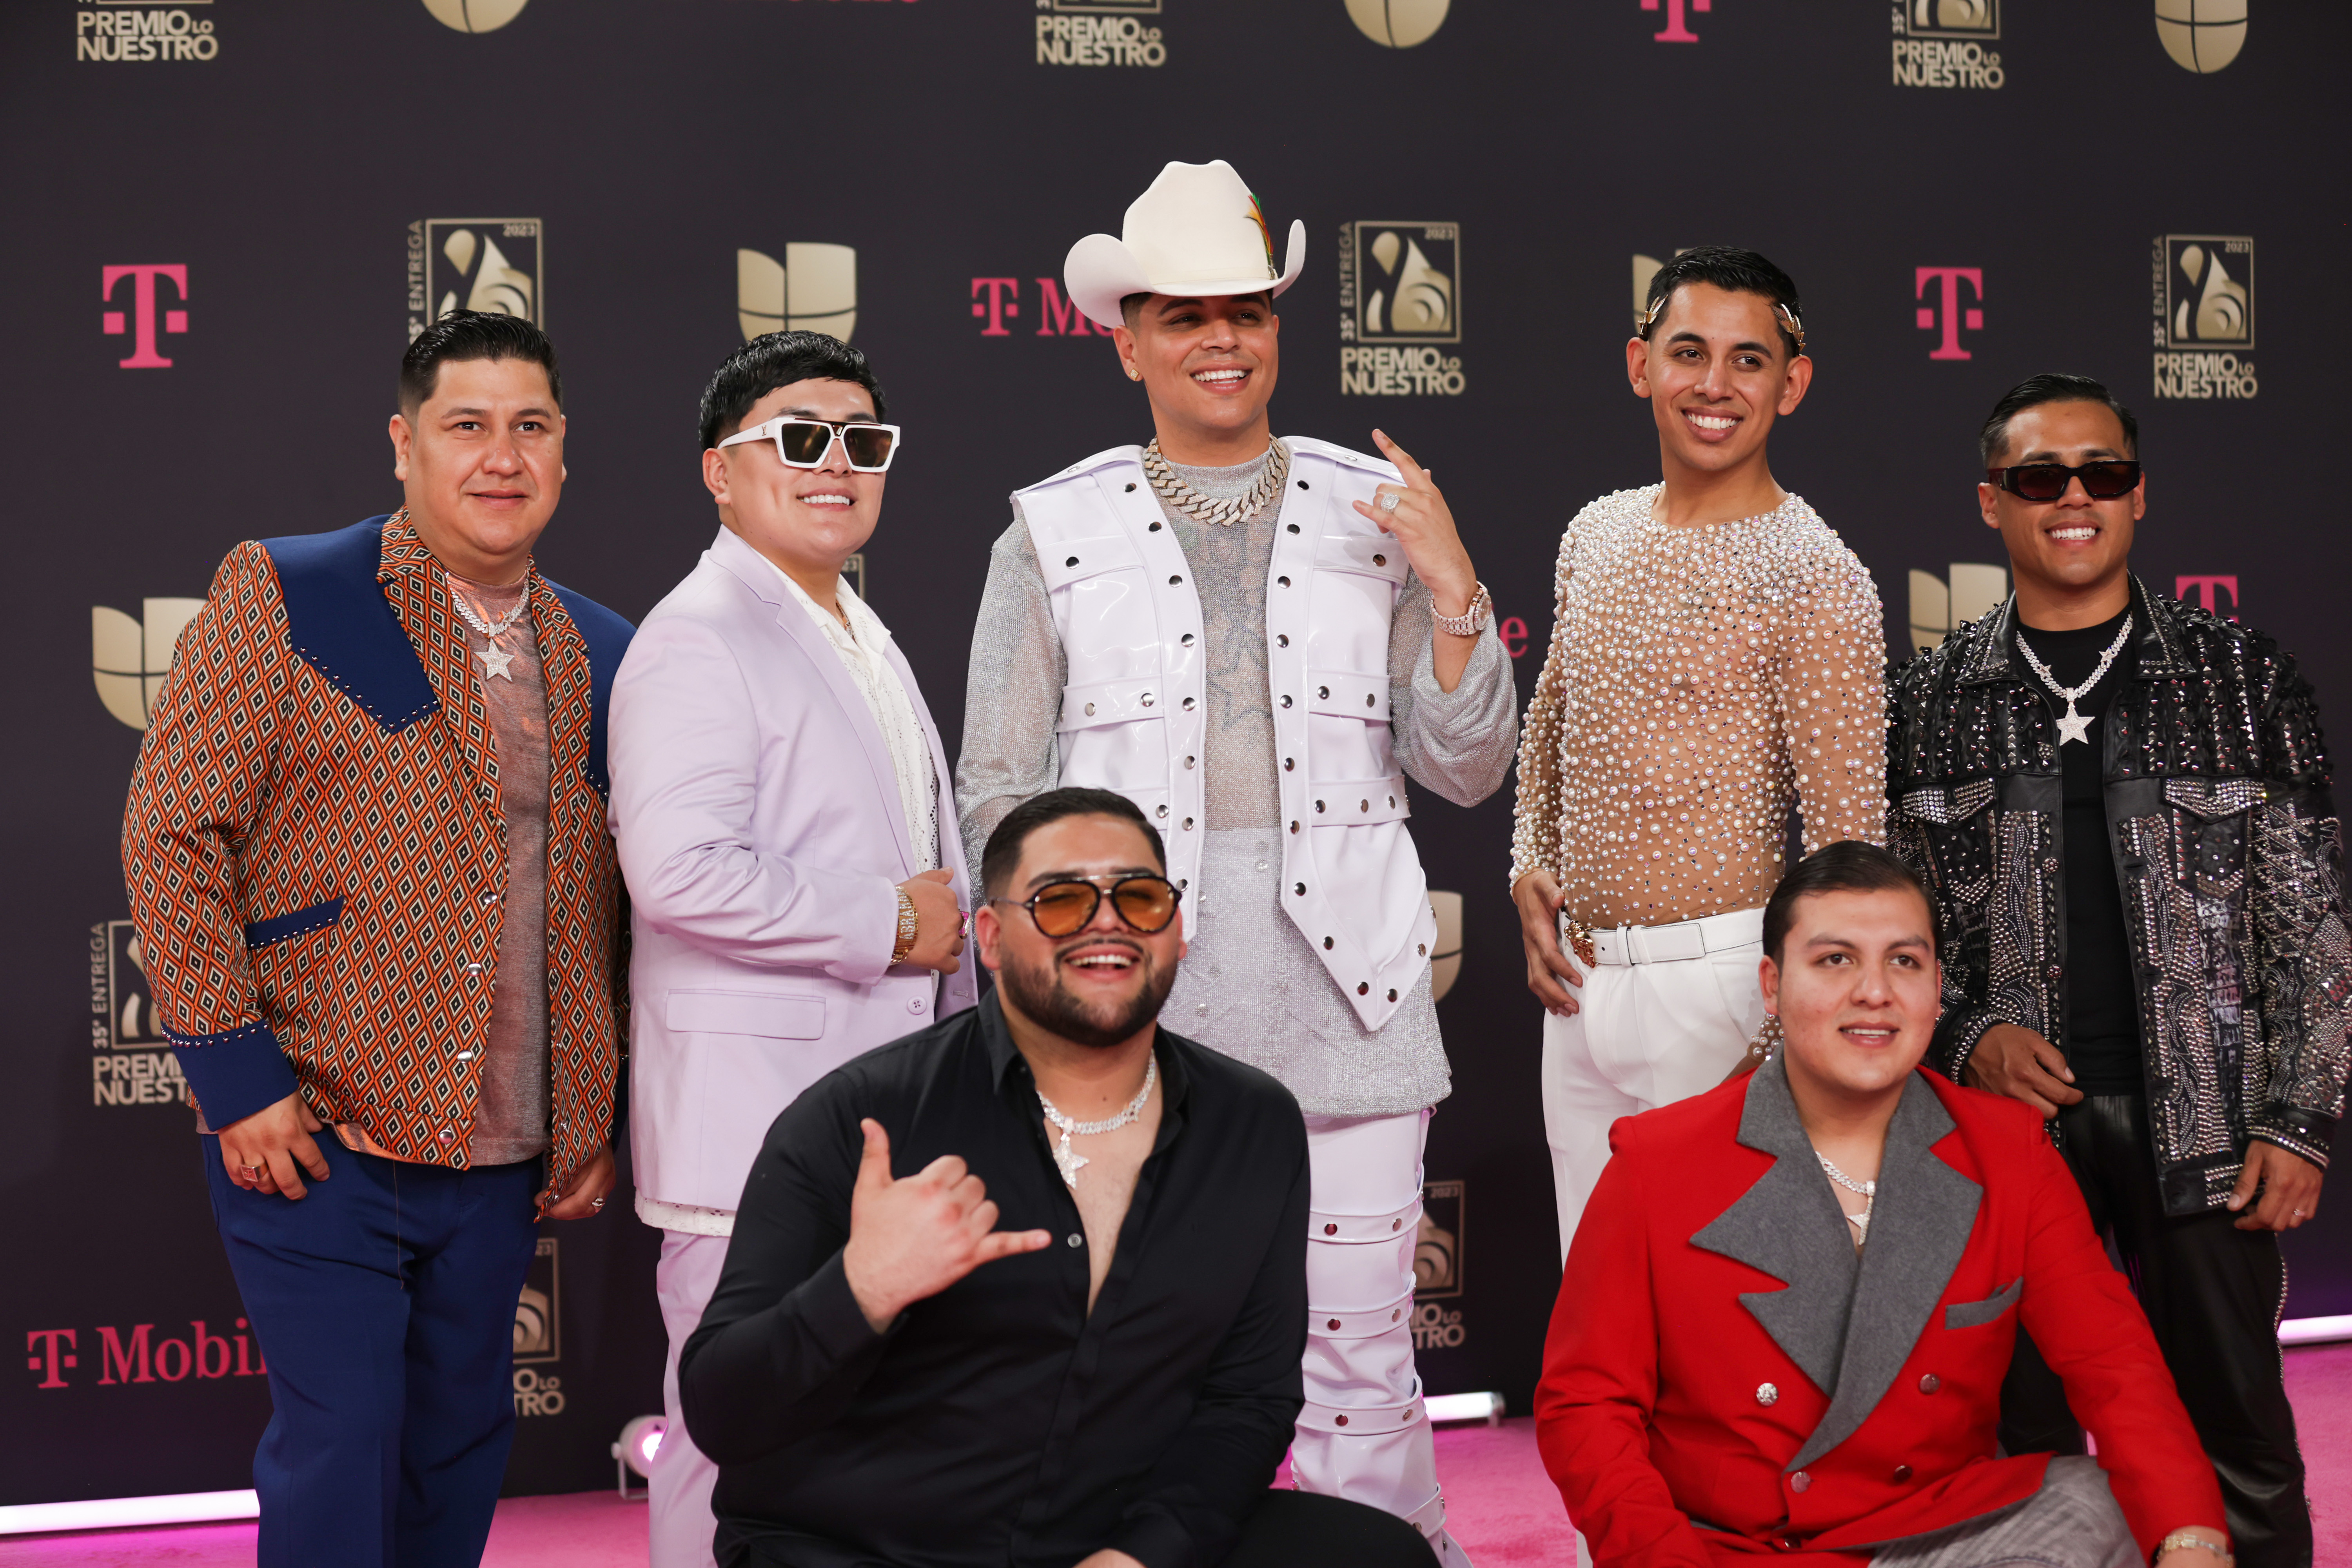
(999, 1422)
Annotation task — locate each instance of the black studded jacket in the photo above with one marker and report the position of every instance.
(2227, 850)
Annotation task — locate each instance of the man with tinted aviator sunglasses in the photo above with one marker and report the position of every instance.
(779, 803)
(2121, 808)
(1026, 1286)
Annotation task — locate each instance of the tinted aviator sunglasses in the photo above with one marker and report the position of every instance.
(802, 442)
(2048, 481)
(1065, 909)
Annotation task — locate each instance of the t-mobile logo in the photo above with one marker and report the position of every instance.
(1678, 31)
(1945, 310)
(141, 323)
(2205, 593)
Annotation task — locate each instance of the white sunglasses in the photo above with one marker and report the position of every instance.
(803, 442)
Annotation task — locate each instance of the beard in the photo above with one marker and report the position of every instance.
(1045, 1000)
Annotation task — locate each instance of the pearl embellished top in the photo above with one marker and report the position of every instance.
(1700, 681)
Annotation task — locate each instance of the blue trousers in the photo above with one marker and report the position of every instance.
(385, 1304)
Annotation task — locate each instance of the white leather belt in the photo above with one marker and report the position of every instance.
(1621, 945)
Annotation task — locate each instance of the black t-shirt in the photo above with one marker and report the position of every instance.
(2101, 1042)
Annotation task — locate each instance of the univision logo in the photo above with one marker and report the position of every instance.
(475, 16)
(1940, 606)
(1398, 24)
(814, 289)
(2202, 36)
(129, 658)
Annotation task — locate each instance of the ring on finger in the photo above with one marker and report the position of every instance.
(1389, 500)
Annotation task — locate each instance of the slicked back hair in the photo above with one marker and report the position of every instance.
(1849, 866)
(1734, 270)
(778, 359)
(2050, 388)
(1003, 855)
(472, 335)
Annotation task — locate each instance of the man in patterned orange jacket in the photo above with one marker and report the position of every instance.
(367, 854)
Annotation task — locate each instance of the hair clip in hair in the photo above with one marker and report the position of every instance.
(1647, 318)
(1795, 328)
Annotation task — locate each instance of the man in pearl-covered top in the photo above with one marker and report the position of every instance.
(1717, 658)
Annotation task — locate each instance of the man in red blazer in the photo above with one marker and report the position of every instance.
(1749, 1357)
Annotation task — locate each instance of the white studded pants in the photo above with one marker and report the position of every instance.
(1363, 1434)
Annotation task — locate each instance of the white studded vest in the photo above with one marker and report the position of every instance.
(1131, 719)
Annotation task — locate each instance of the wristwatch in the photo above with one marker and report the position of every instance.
(1471, 622)
(909, 926)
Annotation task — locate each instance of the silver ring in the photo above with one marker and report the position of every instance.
(253, 1173)
(2300, 1215)
(598, 1205)
(1388, 500)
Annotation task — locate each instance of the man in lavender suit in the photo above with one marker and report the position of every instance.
(779, 801)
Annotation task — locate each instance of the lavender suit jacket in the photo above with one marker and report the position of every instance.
(760, 833)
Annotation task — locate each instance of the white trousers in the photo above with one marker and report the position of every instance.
(680, 1526)
(1644, 1035)
(1363, 1434)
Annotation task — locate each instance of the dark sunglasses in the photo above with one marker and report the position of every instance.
(2048, 481)
(802, 442)
(1065, 909)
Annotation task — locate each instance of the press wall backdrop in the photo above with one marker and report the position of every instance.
(229, 215)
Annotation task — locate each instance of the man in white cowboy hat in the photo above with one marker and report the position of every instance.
(1258, 642)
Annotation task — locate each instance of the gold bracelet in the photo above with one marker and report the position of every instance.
(910, 925)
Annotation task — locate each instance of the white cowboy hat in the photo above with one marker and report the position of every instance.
(1196, 233)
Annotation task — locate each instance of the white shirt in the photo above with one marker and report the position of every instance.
(860, 645)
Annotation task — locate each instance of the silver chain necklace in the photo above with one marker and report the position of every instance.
(1869, 1191)
(495, 659)
(2074, 726)
(1171, 488)
(1065, 1158)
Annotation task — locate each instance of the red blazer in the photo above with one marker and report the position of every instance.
(1719, 1353)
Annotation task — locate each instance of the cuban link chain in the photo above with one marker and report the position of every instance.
(1869, 1191)
(1204, 509)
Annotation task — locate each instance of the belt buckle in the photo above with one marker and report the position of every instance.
(1579, 937)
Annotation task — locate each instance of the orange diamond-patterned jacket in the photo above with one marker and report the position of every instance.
(315, 854)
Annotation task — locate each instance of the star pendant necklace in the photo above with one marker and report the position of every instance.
(1067, 1159)
(2073, 727)
(494, 658)
(1869, 1191)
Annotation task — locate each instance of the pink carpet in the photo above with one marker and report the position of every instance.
(1504, 1510)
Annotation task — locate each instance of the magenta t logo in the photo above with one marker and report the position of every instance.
(1003, 299)
(142, 311)
(1676, 31)
(1946, 308)
(2206, 592)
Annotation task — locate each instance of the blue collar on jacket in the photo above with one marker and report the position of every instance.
(341, 625)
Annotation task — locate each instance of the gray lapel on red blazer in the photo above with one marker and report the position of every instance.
(1848, 1321)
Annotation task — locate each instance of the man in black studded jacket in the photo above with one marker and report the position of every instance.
(2121, 806)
